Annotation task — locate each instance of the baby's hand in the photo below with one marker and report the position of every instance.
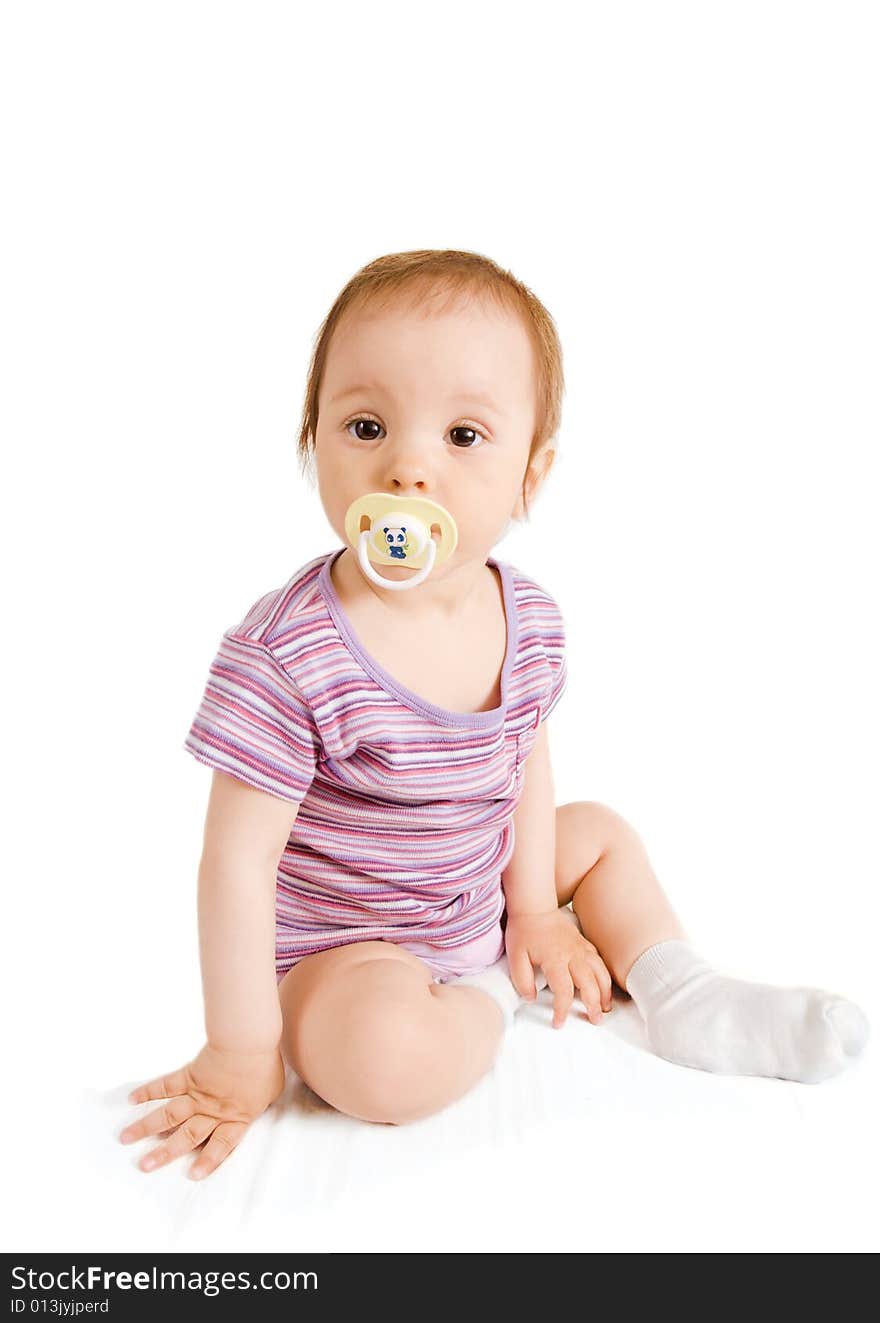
(552, 942)
(215, 1098)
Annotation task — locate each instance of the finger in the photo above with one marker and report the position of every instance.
(605, 982)
(225, 1138)
(522, 975)
(193, 1132)
(168, 1117)
(560, 982)
(164, 1086)
(603, 978)
(603, 975)
(588, 988)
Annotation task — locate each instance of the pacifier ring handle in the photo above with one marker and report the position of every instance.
(395, 585)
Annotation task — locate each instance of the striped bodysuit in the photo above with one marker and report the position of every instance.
(405, 811)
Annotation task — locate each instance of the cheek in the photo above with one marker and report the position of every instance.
(499, 489)
(336, 472)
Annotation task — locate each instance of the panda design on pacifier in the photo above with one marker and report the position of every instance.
(397, 530)
(394, 536)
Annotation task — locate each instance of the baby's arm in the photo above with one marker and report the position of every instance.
(245, 832)
(239, 1071)
(538, 934)
(529, 879)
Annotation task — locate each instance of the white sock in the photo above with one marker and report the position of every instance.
(697, 1017)
(495, 979)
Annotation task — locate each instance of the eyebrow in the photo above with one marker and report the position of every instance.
(471, 397)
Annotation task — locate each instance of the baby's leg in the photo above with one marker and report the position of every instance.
(602, 868)
(370, 1032)
(693, 1014)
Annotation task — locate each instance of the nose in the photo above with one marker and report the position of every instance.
(406, 461)
(406, 476)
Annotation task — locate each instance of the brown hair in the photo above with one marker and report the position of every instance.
(419, 278)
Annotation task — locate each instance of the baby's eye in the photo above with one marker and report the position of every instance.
(400, 537)
(470, 434)
(464, 437)
(363, 422)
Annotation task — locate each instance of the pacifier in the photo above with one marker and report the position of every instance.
(399, 533)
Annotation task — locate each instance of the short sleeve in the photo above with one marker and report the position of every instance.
(253, 723)
(553, 638)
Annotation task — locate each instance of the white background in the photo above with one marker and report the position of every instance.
(692, 191)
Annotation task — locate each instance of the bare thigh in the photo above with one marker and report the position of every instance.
(340, 1007)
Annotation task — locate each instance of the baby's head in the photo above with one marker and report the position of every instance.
(436, 373)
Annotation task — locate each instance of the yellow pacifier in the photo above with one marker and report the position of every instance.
(399, 533)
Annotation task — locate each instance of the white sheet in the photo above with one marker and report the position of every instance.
(579, 1139)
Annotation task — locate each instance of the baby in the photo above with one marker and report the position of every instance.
(381, 814)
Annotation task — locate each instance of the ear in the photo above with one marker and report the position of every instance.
(535, 477)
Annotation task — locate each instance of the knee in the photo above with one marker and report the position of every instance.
(605, 824)
(367, 1052)
(390, 1073)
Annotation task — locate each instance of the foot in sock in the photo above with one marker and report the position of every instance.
(698, 1017)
